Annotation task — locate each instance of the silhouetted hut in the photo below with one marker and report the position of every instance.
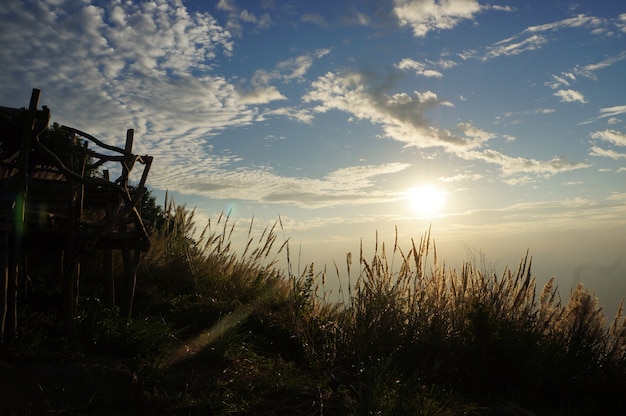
(56, 196)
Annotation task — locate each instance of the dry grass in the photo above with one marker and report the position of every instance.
(232, 333)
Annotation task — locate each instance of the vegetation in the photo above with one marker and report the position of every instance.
(218, 332)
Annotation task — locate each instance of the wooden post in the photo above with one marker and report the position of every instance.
(128, 163)
(71, 266)
(130, 270)
(4, 278)
(108, 280)
(10, 316)
(131, 265)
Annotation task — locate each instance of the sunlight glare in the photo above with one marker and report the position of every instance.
(426, 200)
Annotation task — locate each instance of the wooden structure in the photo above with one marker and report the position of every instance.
(60, 199)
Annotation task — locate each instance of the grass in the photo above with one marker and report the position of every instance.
(216, 332)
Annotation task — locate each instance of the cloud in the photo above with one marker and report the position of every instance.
(297, 67)
(612, 111)
(563, 80)
(222, 178)
(573, 22)
(503, 8)
(529, 112)
(477, 135)
(611, 136)
(315, 19)
(128, 62)
(262, 94)
(402, 118)
(226, 5)
(600, 152)
(570, 96)
(531, 38)
(511, 166)
(461, 177)
(301, 115)
(418, 67)
(508, 48)
(589, 70)
(424, 16)
(151, 67)
(620, 22)
(238, 17)
(444, 63)
(355, 177)
(286, 71)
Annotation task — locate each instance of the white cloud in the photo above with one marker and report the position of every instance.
(247, 16)
(402, 118)
(314, 18)
(424, 16)
(477, 135)
(147, 66)
(508, 48)
(238, 17)
(301, 115)
(611, 136)
(291, 69)
(529, 112)
(128, 62)
(589, 70)
(612, 111)
(512, 166)
(620, 22)
(297, 67)
(461, 177)
(222, 178)
(532, 38)
(570, 96)
(600, 152)
(419, 68)
(558, 82)
(579, 21)
(226, 5)
(261, 95)
(359, 176)
(444, 63)
(503, 8)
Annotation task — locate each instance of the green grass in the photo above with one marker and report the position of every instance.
(219, 332)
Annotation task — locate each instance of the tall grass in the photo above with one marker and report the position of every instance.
(410, 329)
(488, 336)
(228, 332)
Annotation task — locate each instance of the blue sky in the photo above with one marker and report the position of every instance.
(500, 124)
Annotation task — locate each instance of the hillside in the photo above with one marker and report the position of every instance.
(217, 332)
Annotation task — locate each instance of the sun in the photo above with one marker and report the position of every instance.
(426, 200)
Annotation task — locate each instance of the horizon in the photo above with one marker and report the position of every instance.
(499, 126)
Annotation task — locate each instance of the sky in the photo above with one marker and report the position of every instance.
(500, 125)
